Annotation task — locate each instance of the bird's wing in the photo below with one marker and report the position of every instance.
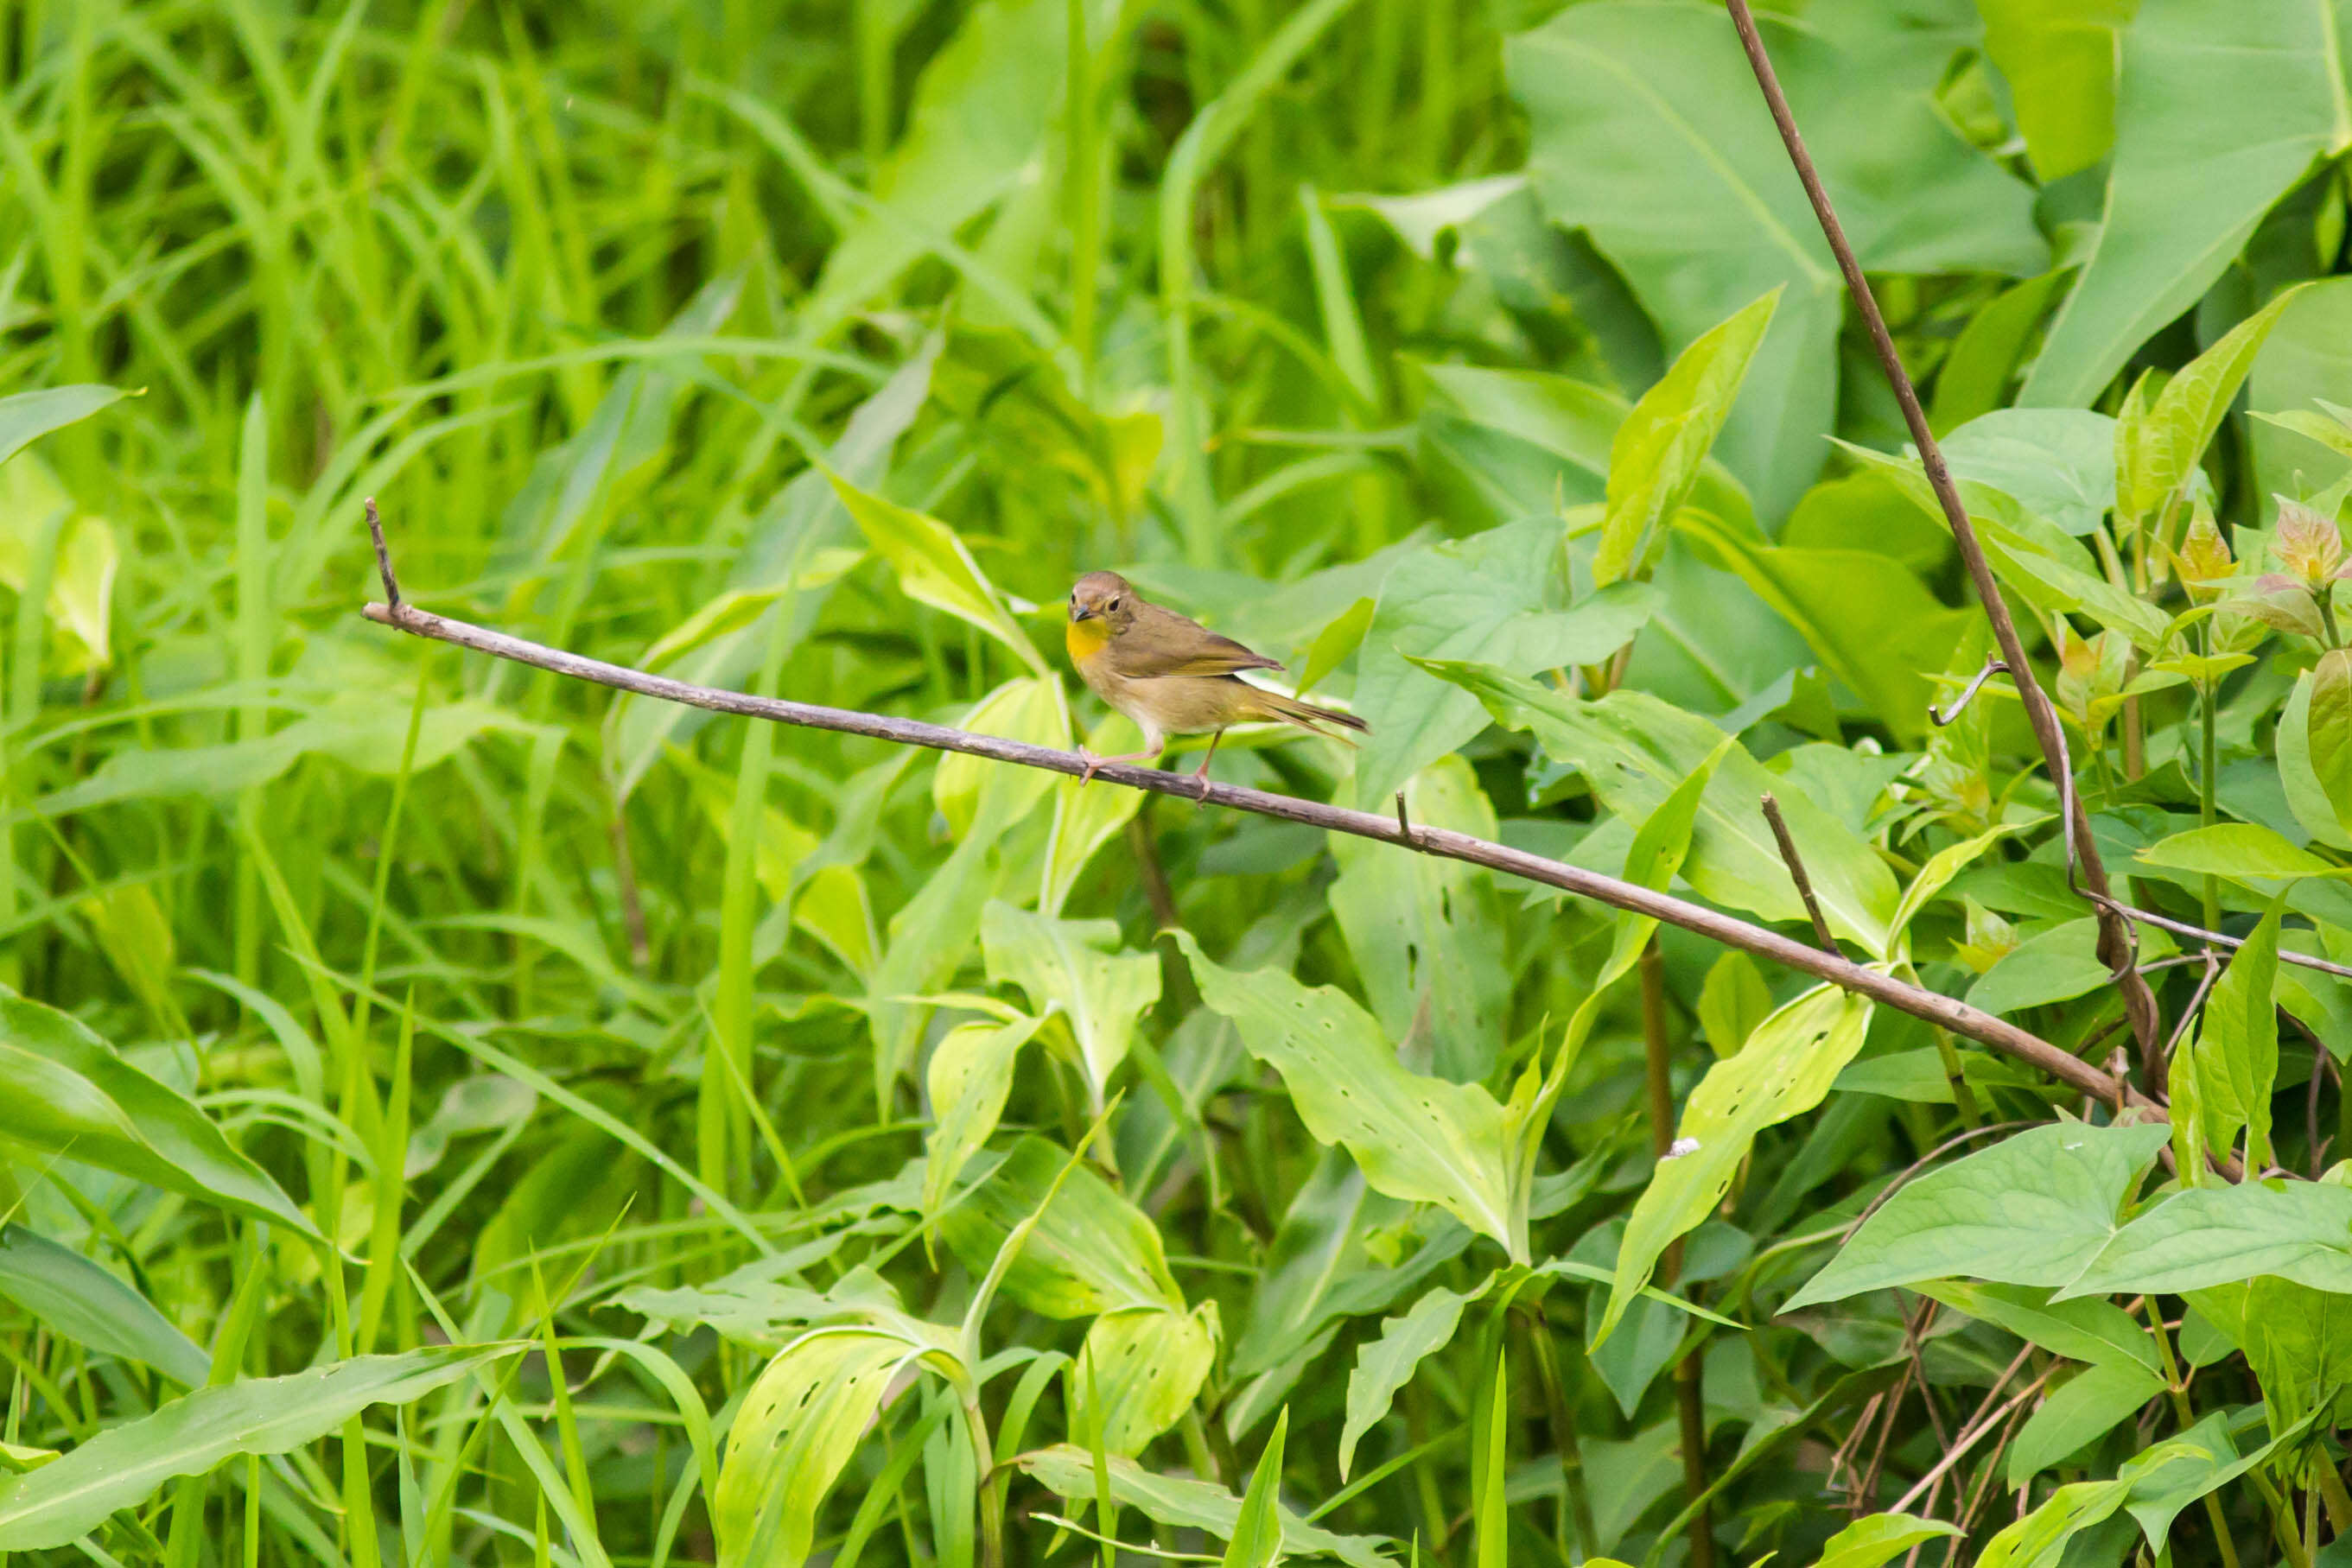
(1184, 647)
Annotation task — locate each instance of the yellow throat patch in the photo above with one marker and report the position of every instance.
(1084, 639)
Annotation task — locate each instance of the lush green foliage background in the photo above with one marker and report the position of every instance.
(900, 1158)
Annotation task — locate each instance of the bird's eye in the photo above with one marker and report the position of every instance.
(1112, 606)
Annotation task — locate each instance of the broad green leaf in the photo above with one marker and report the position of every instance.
(1920, 1076)
(2236, 1046)
(2157, 451)
(2308, 360)
(1655, 459)
(1416, 1137)
(2059, 60)
(1091, 1251)
(1975, 376)
(1785, 1069)
(2297, 1340)
(2302, 723)
(2234, 849)
(2329, 735)
(1635, 751)
(1074, 968)
(1145, 1365)
(1498, 598)
(1647, 132)
(1426, 933)
(1732, 1002)
(2033, 1209)
(1085, 818)
(2039, 1540)
(2171, 1476)
(75, 1297)
(70, 1094)
(1881, 1538)
(2079, 1411)
(25, 417)
(2057, 463)
(968, 1076)
(2220, 110)
(1386, 1363)
(935, 568)
(1186, 1504)
(796, 1430)
(2213, 1235)
(1257, 1528)
(2059, 964)
(2082, 1329)
(125, 1465)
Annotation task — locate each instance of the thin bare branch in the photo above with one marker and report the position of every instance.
(2116, 945)
(1971, 1023)
(1967, 694)
(1790, 858)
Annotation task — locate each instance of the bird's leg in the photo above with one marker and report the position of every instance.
(1200, 774)
(1091, 762)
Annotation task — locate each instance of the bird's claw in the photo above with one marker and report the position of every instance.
(1087, 763)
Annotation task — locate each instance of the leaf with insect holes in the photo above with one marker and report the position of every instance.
(1091, 1251)
(1416, 1137)
(1074, 968)
(1785, 1068)
(1144, 1366)
(1185, 1503)
(970, 1075)
(1881, 1538)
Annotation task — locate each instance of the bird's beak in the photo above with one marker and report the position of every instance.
(1080, 612)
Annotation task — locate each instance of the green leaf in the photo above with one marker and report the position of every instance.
(1145, 1366)
(2033, 1209)
(2084, 1328)
(1733, 1001)
(2330, 733)
(1499, 598)
(1881, 1538)
(2297, 450)
(2156, 453)
(935, 568)
(2059, 964)
(2059, 463)
(1785, 1069)
(124, 1465)
(2039, 1540)
(2213, 1235)
(25, 417)
(73, 1297)
(1646, 131)
(2301, 722)
(1386, 1363)
(2236, 849)
(1428, 933)
(2220, 110)
(1074, 968)
(70, 1094)
(968, 1076)
(1871, 621)
(1635, 750)
(2297, 1340)
(1185, 1504)
(2236, 1045)
(1655, 460)
(1091, 1251)
(796, 1430)
(1257, 1528)
(2078, 1412)
(1418, 1138)
(2059, 60)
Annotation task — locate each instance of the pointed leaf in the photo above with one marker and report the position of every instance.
(1074, 968)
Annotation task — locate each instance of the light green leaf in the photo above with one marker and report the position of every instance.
(2329, 736)
(1091, 1251)
(2213, 1235)
(796, 1430)
(1732, 1002)
(2057, 463)
(69, 1093)
(1074, 968)
(1635, 750)
(1785, 1069)
(125, 1465)
(2306, 363)
(2082, 1330)
(1068, 1472)
(1386, 1363)
(970, 1075)
(1498, 598)
(2157, 451)
(1937, 874)
(2235, 849)
(1426, 933)
(2079, 1411)
(1418, 1138)
(1145, 1365)
(1085, 818)
(2059, 964)
(1257, 1528)
(935, 568)
(25, 417)
(75, 1297)
(2059, 60)
(2317, 803)
(2218, 112)
(1881, 1538)
(1655, 460)
(2033, 1209)
(2236, 1045)
(2039, 1540)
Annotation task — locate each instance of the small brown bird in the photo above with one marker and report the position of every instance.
(1171, 675)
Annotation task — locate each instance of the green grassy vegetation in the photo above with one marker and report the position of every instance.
(450, 1113)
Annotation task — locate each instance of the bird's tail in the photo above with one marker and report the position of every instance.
(1305, 716)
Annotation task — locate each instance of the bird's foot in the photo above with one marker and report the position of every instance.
(1090, 764)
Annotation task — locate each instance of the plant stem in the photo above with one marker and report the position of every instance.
(1689, 1396)
(991, 1487)
(1562, 1421)
(2186, 1415)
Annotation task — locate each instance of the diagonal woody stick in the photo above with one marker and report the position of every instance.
(1953, 1014)
(2116, 941)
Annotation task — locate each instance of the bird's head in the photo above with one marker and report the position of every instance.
(1102, 604)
